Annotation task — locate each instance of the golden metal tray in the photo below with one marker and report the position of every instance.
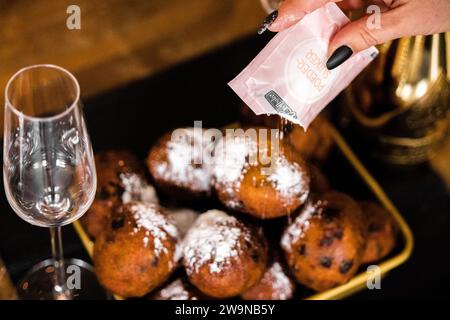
(359, 282)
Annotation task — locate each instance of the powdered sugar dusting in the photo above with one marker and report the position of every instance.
(236, 154)
(155, 224)
(176, 291)
(289, 180)
(185, 164)
(137, 189)
(232, 156)
(282, 286)
(214, 240)
(296, 230)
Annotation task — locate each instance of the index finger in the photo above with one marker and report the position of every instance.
(292, 11)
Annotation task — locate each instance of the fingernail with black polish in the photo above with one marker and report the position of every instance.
(268, 22)
(339, 57)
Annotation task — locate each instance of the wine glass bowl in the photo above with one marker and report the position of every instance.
(49, 171)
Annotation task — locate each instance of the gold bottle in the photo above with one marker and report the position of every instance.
(400, 102)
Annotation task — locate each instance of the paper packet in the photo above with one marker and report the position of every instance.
(289, 76)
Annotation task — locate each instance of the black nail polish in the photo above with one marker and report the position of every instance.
(268, 22)
(339, 57)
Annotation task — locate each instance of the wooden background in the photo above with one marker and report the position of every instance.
(124, 40)
(119, 40)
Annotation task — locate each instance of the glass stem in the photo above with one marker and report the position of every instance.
(60, 287)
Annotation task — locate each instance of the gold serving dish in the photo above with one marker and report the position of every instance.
(359, 282)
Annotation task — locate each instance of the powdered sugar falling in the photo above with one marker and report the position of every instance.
(231, 155)
(289, 180)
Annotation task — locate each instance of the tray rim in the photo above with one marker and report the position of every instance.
(358, 282)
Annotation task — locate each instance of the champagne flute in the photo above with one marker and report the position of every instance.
(49, 172)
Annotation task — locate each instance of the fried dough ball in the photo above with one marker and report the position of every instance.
(178, 163)
(138, 251)
(223, 256)
(381, 232)
(120, 179)
(258, 177)
(325, 243)
(274, 285)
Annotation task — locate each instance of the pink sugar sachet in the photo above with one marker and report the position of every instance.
(289, 76)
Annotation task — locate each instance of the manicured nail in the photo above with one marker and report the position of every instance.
(339, 57)
(268, 22)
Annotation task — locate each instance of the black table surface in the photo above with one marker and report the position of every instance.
(197, 90)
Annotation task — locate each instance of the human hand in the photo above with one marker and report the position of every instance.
(399, 18)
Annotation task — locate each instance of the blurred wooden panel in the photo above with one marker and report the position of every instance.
(119, 40)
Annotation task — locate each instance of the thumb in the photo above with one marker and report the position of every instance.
(362, 34)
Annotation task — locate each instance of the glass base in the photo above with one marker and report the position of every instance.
(81, 283)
